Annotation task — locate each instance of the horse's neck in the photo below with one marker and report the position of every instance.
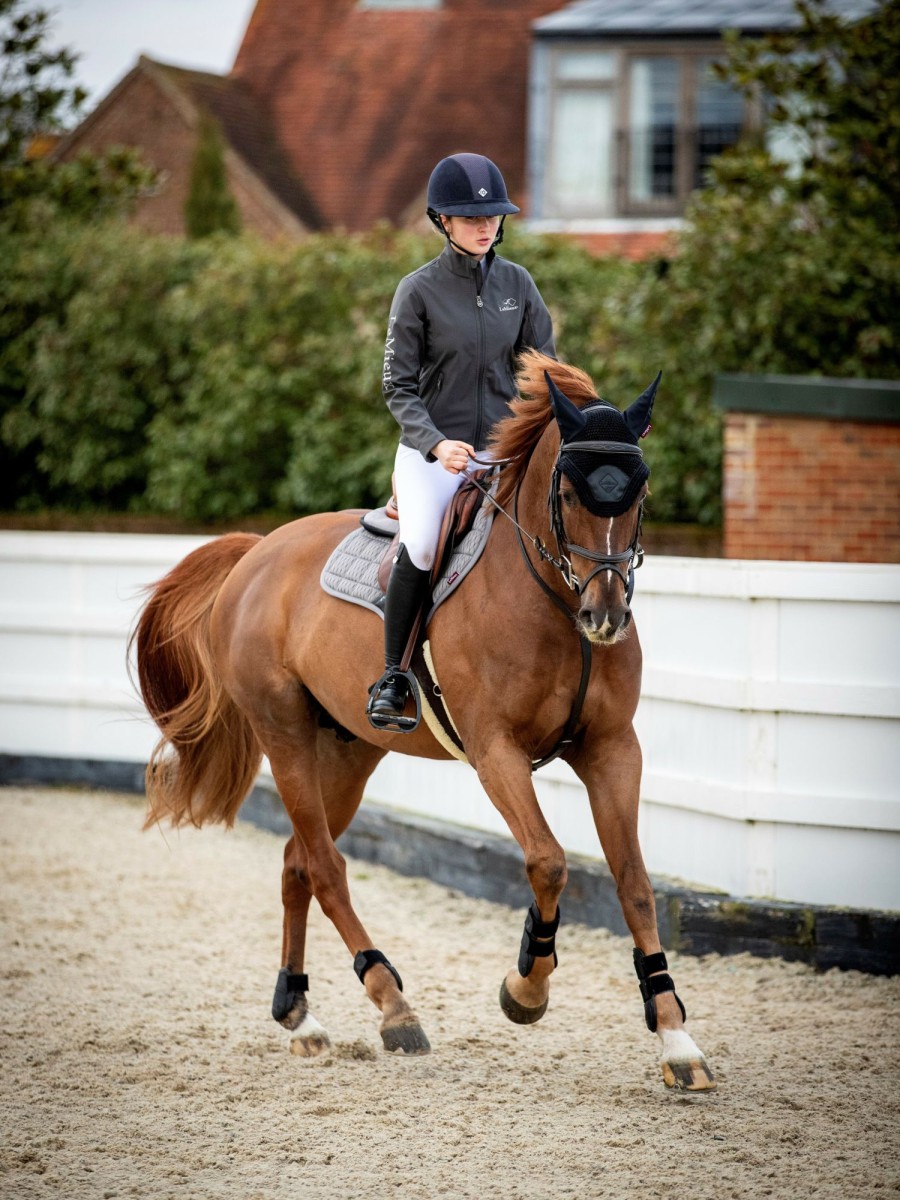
(529, 508)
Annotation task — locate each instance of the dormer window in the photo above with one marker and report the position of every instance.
(625, 130)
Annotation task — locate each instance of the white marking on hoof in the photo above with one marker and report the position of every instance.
(310, 1038)
(678, 1046)
(683, 1066)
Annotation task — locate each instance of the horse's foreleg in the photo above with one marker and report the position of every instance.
(290, 1006)
(612, 775)
(505, 774)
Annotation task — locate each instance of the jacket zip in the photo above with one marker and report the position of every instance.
(479, 399)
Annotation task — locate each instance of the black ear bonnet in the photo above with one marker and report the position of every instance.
(607, 483)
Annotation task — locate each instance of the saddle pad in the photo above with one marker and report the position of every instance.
(351, 572)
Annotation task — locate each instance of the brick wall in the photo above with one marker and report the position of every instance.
(811, 488)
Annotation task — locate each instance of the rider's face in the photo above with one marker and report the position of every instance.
(474, 234)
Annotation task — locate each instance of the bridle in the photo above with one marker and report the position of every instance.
(623, 563)
(633, 556)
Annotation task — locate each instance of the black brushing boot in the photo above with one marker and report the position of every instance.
(406, 591)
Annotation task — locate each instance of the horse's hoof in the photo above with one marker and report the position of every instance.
(311, 1040)
(694, 1076)
(405, 1039)
(518, 1013)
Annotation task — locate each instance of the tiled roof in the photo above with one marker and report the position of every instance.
(667, 18)
(248, 129)
(367, 100)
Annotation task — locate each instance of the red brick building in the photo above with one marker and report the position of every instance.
(601, 113)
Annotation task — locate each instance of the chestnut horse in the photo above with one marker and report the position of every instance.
(241, 653)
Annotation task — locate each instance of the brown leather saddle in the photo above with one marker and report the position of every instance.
(458, 520)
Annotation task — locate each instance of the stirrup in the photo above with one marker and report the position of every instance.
(389, 722)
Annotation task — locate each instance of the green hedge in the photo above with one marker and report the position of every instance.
(222, 378)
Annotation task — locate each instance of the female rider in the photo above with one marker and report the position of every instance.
(455, 328)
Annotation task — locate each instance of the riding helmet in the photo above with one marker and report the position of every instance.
(468, 185)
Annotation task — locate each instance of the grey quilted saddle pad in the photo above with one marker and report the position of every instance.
(351, 572)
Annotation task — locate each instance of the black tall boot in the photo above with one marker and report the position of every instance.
(406, 591)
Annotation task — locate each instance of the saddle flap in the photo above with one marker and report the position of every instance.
(458, 519)
(387, 562)
(457, 522)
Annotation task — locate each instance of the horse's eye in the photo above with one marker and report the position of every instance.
(569, 498)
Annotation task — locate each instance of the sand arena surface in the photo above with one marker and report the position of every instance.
(138, 1057)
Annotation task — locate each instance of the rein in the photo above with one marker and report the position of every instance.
(633, 555)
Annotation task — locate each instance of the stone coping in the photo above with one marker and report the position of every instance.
(869, 400)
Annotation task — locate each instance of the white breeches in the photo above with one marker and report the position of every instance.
(424, 489)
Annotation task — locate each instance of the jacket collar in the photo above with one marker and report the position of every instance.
(461, 264)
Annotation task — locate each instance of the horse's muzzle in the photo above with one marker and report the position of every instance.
(604, 625)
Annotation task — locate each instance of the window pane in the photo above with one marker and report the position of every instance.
(720, 112)
(585, 66)
(654, 116)
(581, 148)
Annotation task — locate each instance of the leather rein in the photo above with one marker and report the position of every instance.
(633, 556)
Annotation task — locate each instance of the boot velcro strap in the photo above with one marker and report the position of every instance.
(288, 990)
(531, 948)
(368, 958)
(653, 984)
(649, 964)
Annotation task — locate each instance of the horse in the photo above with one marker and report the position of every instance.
(240, 653)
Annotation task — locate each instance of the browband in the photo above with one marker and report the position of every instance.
(602, 448)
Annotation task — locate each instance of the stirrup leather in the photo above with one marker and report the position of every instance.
(387, 721)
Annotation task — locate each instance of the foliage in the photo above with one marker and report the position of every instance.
(86, 360)
(37, 97)
(210, 206)
(222, 377)
(36, 89)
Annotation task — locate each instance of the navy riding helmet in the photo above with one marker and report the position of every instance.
(467, 185)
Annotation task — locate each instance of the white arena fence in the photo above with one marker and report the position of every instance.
(769, 719)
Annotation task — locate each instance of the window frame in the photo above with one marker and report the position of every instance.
(689, 55)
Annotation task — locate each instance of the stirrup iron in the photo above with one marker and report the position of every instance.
(390, 723)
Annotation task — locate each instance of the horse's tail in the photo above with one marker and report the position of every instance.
(205, 762)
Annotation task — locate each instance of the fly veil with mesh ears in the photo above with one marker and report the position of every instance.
(609, 487)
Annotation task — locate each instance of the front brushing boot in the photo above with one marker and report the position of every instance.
(406, 591)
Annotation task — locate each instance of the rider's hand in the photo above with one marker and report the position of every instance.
(452, 455)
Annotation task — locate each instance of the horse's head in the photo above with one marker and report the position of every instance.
(596, 496)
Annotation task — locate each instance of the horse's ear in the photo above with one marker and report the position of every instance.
(637, 416)
(569, 417)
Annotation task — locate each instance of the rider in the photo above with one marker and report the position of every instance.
(455, 328)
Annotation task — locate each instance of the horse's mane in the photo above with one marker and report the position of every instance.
(517, 435)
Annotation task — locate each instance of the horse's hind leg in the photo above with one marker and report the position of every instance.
(290, 1006)
(321, 782)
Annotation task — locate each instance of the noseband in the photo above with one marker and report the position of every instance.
(633, 556)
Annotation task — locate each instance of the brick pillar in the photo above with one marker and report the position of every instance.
(811, 468)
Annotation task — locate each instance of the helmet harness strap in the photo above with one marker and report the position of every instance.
(436, 221)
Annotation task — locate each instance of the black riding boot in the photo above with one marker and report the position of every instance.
(405, 593)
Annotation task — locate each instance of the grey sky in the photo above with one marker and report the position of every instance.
(110, 34)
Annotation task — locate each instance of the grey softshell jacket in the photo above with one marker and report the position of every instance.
(449, 361)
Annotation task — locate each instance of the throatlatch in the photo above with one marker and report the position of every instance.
(531, 948)
(652, 985)
(289, 988)
(368, 958)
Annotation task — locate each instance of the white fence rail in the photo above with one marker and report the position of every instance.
(769, 717)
